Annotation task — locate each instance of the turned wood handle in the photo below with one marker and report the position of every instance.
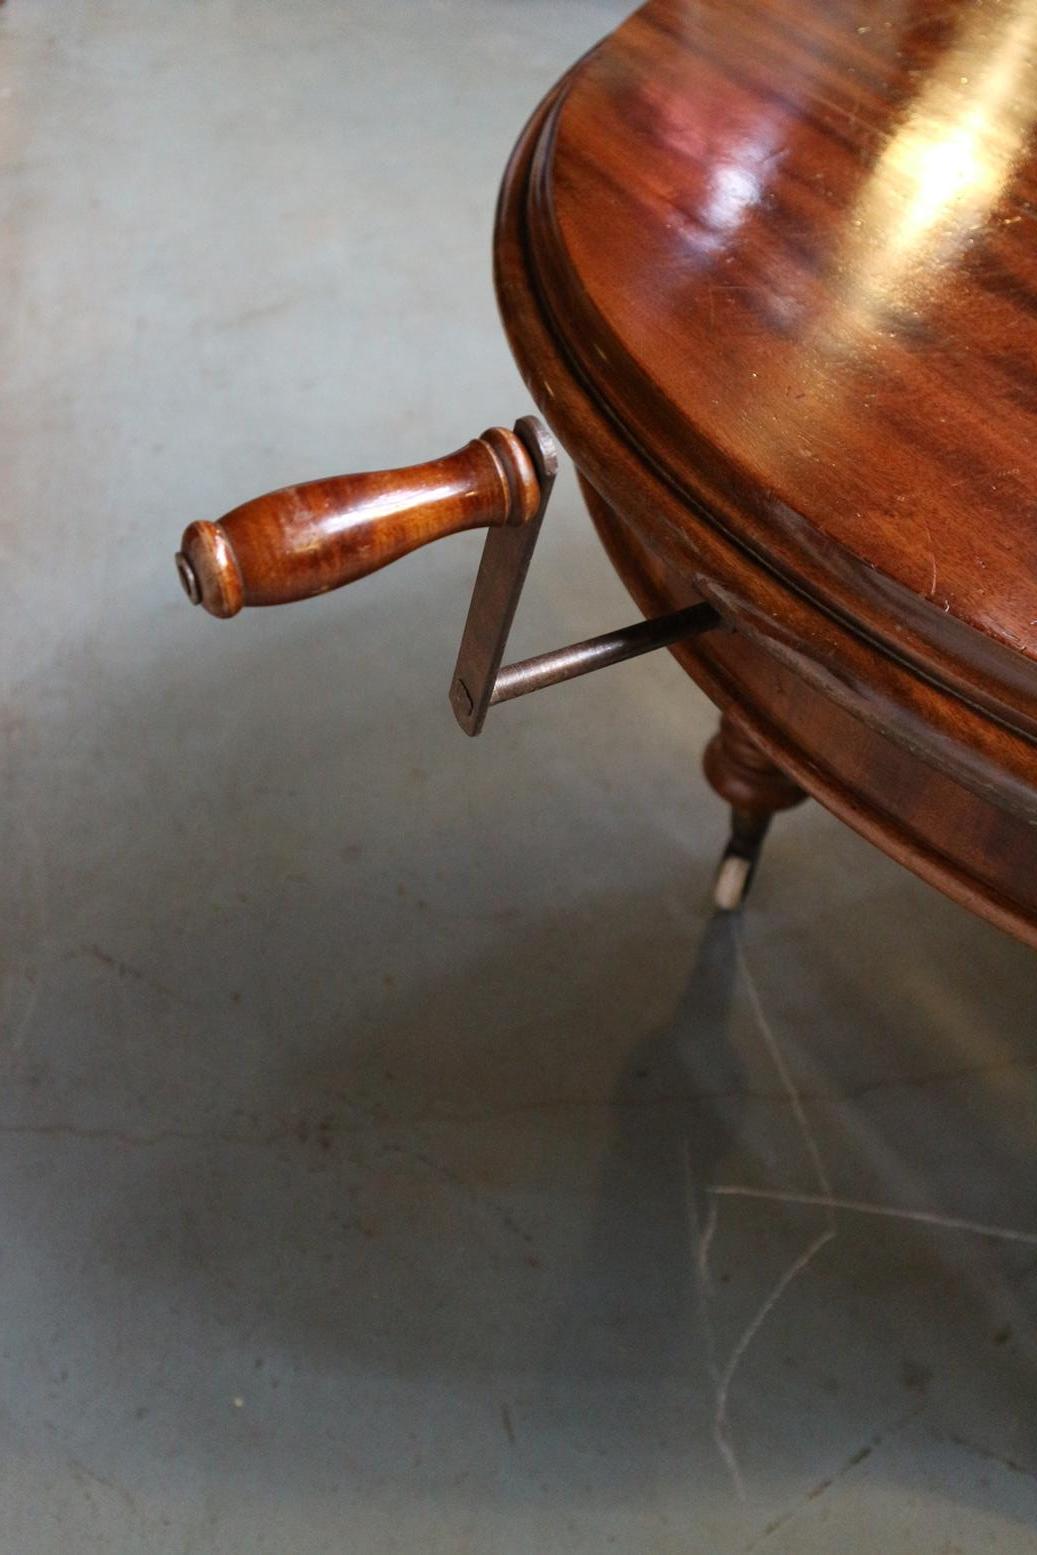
(305, 540)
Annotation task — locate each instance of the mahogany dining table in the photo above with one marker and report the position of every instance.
(769, 271)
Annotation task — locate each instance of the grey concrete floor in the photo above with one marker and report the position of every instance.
(394, 1154)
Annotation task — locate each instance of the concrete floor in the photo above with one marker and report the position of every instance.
(394, 1154)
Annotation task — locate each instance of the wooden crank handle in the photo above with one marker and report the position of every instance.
(305, 540)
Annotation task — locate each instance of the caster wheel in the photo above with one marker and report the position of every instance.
(732, 883)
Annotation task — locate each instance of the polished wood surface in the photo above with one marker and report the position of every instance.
(767, 270)
(305, 540)
(967, 845)
(745, 776)
(816, 307)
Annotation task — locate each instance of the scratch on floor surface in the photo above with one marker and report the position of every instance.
(462, 1184)
(125, 970)
(508, 1423)
(824, 1199)
(706, 1236)
(34, 893)
(822, 1486)
(703, 1240)
(988, 1453)
(160, 1136)
(721, 1420)
(777, 1058)
(89, 1477)
(723, 1377)
(923, 1217)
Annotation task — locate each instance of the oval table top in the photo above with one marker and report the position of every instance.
(792, 241)
(768, 268)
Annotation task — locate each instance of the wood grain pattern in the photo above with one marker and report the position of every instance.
(744, 775)
(964, 844)
(768, 269)
(305, 540)
(816, 308)
(753, 443)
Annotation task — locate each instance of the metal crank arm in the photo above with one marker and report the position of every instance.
(305, 540)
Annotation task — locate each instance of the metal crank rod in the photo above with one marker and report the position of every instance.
(597, 653)
(305, 540)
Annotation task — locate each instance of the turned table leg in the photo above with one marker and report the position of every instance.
(755, 789)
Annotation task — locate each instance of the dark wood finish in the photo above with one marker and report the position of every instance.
(877, 686)
(305, 540)
(790, 242)
(968, 846)
(767, 269)
(745, 775)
